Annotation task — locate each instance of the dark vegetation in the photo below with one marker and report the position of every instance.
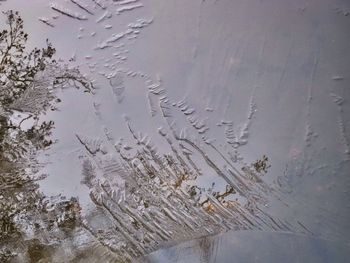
(27, 83)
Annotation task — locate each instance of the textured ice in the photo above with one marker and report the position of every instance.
(191, 96)
(68, 12)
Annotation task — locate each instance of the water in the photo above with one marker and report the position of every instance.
(187, 98)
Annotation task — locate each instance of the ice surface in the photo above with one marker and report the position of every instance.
(190, 95)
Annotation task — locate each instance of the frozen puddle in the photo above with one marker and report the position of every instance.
(207, 117)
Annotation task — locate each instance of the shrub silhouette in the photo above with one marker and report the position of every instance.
(27, 80)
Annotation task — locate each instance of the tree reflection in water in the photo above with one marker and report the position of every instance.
(142, 198)
(29, 221)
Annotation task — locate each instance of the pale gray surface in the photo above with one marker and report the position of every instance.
(249, 247)
(280, 69)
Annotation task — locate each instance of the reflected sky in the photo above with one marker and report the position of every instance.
(227, 82)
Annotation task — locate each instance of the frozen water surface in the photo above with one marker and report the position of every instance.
(207, 117)
(249, 246)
